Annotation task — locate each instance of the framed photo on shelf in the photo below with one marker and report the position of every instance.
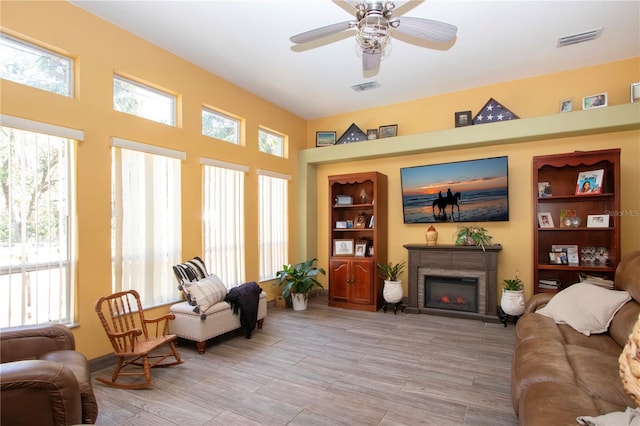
(343, 247)
(589, 182)
(594, 101)
(388, 131)
(361, 249)
(372, 134)
(360, 221)
(463, 118)
(325, 138)
(544, 189)
(341, 224)
(598, 221)
(545, 220)
(558, 258)
(566, 105)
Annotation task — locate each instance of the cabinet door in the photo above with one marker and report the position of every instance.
(361, 282)
(339, 279)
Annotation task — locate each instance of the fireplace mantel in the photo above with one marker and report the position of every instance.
(457, 260)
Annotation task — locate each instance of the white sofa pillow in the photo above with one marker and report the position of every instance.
(206, 292)
(586, 308)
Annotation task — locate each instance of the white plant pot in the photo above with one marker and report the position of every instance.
(512, 302)
(392, 291)
(299, 301)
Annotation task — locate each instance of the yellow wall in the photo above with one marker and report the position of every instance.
(532, 97)
(102, 49)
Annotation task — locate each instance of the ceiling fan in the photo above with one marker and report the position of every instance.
(374, 26)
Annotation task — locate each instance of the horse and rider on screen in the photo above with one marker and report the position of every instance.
(442, 202)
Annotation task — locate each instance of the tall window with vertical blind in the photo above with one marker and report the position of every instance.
(146, 220)
(273, 220)
(36, 228)
(223, 220)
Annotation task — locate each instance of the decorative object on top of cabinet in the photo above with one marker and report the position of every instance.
(354, 282)
(372, 134)
(493, 112)
(388, 131)
(325, 138)
(594, 101)
(352, 134)
(603, 244)
(463, 118)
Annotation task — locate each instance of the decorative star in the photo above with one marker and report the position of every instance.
(500, 116)
(490, 117)
(489, 107)
(480, 117)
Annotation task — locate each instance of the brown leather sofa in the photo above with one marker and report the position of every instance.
(559, 374)
(43, 380)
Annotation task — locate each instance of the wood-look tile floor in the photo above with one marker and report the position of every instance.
(331, 366)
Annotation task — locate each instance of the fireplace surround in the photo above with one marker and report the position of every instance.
(458, 266)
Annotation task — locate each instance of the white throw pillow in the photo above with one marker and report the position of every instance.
(587, 308)
(206, 292)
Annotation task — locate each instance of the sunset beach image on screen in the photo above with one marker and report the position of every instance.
(462, 191)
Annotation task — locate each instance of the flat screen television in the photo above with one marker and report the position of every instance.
(462, 191)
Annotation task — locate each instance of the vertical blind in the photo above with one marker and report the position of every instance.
(223, 220)
(146, 223)
(273, 238)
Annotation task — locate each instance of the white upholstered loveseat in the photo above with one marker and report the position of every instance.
(199, 325)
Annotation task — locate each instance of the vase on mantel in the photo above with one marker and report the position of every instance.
(431, 235)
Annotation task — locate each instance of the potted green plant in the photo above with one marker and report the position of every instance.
(512, 301)
(392, 290)
(473, 235)
(297, 281)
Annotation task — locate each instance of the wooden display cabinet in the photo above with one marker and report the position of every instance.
(357, 239)
(561, 173)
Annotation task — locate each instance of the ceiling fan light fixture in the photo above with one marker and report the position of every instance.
(373, 33)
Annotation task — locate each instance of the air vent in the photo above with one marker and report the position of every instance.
(365, 86)
(579, 37)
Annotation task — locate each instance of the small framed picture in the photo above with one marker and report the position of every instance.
(361, 249)
(545, 220)
(594, 101)
(388, 131)
(566, 105)
(598, 221)
(558, 258)
(325, 138)
(370, 251)
(360, 221)
(341, 224)
(635, 92)
(463, 118)
(372, 134)
(343, 247)
(544, 189)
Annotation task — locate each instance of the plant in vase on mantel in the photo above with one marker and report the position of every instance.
(472, 235)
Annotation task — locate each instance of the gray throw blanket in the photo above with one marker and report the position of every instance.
(245, 298)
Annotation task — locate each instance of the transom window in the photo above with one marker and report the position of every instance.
(143, 101)
(36, 226)
(270, 142)
(28, 64)
(220, 126)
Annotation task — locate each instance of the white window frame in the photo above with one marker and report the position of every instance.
(223, 220)
(33, 276)
(281, 148)
(144, 249)
(152, 101)
(32, 76)
(273, 222)
(236, 123)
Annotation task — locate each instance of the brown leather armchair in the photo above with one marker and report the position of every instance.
(43, 380)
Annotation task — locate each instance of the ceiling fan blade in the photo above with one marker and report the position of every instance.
(322, 32)
(370, 61)
(427, 29)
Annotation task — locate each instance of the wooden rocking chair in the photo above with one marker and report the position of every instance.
(123, 320)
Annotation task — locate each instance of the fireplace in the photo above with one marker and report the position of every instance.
(456, 294)
(459, 281)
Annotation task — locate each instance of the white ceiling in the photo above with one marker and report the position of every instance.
(247, 43)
